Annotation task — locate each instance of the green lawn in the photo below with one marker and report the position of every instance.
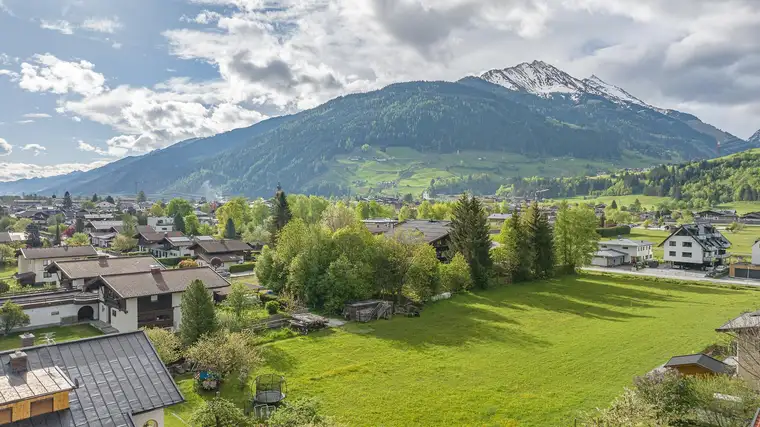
(646, 201)
(7, 270)
(62, 333)
(528, 355)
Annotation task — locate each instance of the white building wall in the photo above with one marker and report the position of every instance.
(125, 321)
(51, 315)
(157, 415)
(176, 306)
(643, 252)
(756, 253)
(697, 253)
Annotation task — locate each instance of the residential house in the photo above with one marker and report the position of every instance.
(150, 240)
(748, 270)
(109, 380)
(9, 237)
(497, 220)
(751, 218)
(634, 250)
(609, 258)
(434, 233)
(105, 206)
(695, 246)
(101, 216)
(148, 299)
(745, 329)
(102, 226)
(39, 217)
(380, 226)
(226, 252)
(174, 246)
(715, 215)
(163, 223)
(32, 261)
(73, 274)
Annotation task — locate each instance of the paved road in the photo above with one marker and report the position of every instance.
(666, 273)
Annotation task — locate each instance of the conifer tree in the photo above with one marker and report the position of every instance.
(229, 229)
(614, 205)
(79, 225)
(67, 200)
(198, 317)
(179, 222)
(539, 242)
(141, 197)
(57, 240)
(470, 236)
(280, 212)
(94, 198)
(517, 258)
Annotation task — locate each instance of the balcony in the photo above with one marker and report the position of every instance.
(86, 298)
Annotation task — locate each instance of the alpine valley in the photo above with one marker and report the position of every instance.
(528, 120)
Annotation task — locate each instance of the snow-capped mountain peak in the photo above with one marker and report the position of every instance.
(755, 137)
(613, 93)
(537, 77)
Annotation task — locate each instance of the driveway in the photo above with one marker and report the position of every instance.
(674, 273)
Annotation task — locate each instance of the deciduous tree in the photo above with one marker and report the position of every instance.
(78, 239)
(455, 276)
(219, 412)
(192, 225)
(12, 316)
(575, 236)
(167, 344)
(338, 216)
(123, 243)
(157, 210)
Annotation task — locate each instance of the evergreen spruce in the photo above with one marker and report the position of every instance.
(94, 198)
(539, 242)
(470, 236)
(79, 225)
(517, 258)
(179, 222)
(67, 203)
(33, 239)
(57, 240)
(280, 212)
(141, 198)
(229, 229)
(198, 317)
(614, 205)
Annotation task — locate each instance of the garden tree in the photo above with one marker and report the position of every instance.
(514, 261)
(256, 234)
(187, 263)
(470, 236)
(345, 281)
(362, 210)
(307, 208)
(365, 147)
(78, 239)
(422, 280)
(406, 213)
(167, 344)
(7, 254)
(178, 205)
(157, 210)
(33, 236)
(56, 219)
(57, 238)
(12, 316)
(259, 213)
(67, 204)
(21, 224)
(540, 243)
(88, 205)
(686, 218)
(602, 221)
(123, 243)
(575, 236)
(224, 353)
(94, 198)
(198, 317)
(299, 412)
(6, 223)
(129, 227)
(220, 412)
(441, 211)
(141, 198)
(179, 222)
(613, 205)
(455, 276)
(110, 199)
(338, 216)
(425, 210)
(647, 223)
(236, 210)
(206, 230)
(735, 227)
(280, 213)
(616, 216)
(408, 198)
(239, 299)
(392, 260)
(636, 206)
(192, 225)
(79, 225)
(229, 229)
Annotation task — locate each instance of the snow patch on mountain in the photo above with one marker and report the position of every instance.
(614, 93)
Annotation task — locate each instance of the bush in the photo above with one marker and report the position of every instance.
(187, 263)
(167, 344)
(621, 230)
(173, 262)
(4, 287)
(137, 253)
(239, 268)
(272, 307)
(299, 412)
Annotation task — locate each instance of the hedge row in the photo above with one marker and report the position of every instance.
(239, 268)
(620, 230)
(172, 262)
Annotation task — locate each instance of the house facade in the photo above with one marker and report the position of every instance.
(635, 250)
(226, 252)
(161, 224)
(695, 246)
(32, 262)
(610, 258)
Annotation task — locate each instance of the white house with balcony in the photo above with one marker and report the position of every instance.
(33, 262)
(161, 223)
(634, 250)
(695, 246)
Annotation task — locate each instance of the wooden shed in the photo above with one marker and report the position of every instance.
(697, 364)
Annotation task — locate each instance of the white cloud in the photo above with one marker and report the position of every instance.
(12, 74)
(35, 148)
(5, 147)
(25, 122)
(63, 27)
(102, 25)
(76, 119)
(83, 146)
(15, 171)
(50, 74)
(37, 116)
(116, 46)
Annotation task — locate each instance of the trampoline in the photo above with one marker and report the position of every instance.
(270, 389)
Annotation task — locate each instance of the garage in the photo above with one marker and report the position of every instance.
(744, 273)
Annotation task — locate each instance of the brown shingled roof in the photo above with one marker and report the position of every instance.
(133, 285)
(82, 269)
(221, 246)
(58, 252)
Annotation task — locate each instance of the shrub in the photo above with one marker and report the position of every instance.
(620, 230)
(299, 412)
(172, 262)
(167, 344)
(239, 268)
(4, 287)
(272, 307)
(187, 263)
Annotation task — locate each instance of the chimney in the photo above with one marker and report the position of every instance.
(155, 269)
(18, 362)
(27, 340)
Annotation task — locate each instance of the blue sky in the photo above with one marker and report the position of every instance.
(84, 82)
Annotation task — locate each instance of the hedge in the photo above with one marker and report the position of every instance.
(239, 268)
(172, 262)
(620, 230)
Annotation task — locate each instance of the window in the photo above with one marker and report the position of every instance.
(153, 298)
(43, 406)
(113, 312)
(604, 246)
(672, 243)
(686, 254)
(47, 275)
(54, 313)
(46, 262)
(686, 244)
(672, 253)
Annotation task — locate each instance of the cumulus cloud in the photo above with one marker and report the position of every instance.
(34, 148)
(102, 25)
(47, 73)
(15, 171)
(63, 27)
(83, 146)
(5, 147)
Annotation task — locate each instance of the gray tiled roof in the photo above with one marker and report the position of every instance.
(58, 252)
(702, 360)
(87, 268)
(105, 225)
(221, 246)
(431, 230)
(133, 285)
(118, 375)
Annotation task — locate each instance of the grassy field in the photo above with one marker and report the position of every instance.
(646, 201)
(7, 270)
(62, 333)
(528, 355)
